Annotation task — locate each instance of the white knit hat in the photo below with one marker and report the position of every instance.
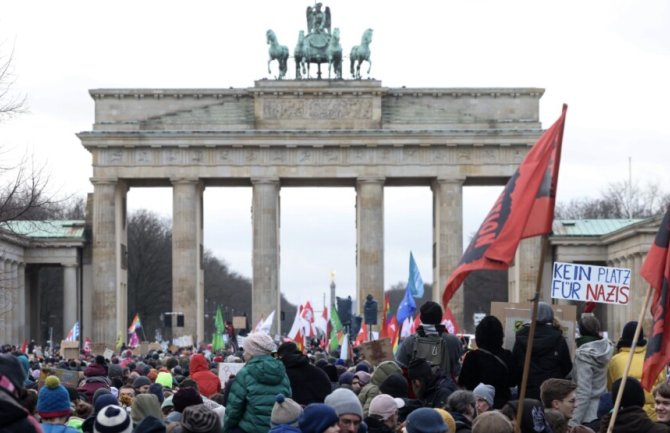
(112, 419)
(258, 343)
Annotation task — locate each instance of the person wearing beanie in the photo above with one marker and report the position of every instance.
(431, 326)
(395, 385)
(200, 419)
(53, 406)
(96, 378)
(590, 370)
(430, 388)
(285, 415)
(345, 380)
(208, 382)
(425, 420)
(112, 419)
(484, 396)
(461, 405)
(165, 379)
(157, 390)
(309, 383)
(447, 418)
(361, 378)
(253, 392)
(489, 363)
(145, 405)
(184, 398)
(141, 385)
(379, 375)
(383, 415)
(550, 357)
(348, 409)
(102, 401)
(319, 418)
(631, 417)
(617, 364)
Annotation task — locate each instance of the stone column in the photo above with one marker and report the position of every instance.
(525, 271)
(6, 303)
(69, 297)
(265, 295)
(447, 240)
(32, 279)
(370, 242)
(110, 269)
(22, 318)
(188, 295)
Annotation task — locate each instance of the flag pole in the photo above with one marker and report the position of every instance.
(531, 333)
(638, 329)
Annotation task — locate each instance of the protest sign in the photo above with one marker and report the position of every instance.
(108, 353)
(240, 322)
(67, 377)
(69, 349)
(589, 283)
(377, 351)
(183, 341)
(226, 369)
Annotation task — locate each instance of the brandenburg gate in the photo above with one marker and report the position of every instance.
(353, 133)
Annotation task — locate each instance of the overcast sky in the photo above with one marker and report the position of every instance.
(609, 60)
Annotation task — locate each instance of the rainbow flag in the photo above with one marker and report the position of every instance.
(135, 324)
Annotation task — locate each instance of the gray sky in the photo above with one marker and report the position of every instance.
(609, 60)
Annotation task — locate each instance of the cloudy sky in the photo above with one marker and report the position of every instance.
(609, 60)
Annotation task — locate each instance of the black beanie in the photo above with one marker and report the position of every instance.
(627, 335)
(395, 385)
(633, 394)
(419, 368)
(431, 313)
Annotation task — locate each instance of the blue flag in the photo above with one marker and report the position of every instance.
(414, 283)
(407, 306)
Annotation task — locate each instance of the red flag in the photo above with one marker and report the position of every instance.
(383, 332)
(524, 208)
(656, 270)
(24, 346)
(362, 336)
(449, 321)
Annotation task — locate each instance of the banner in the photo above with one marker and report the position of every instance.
(589, 283)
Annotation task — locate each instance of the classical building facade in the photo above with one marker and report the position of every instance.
(356, 134)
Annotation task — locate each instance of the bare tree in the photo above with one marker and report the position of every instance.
(618, 200)
(11, 103)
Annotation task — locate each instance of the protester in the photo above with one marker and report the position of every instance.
(361, 378)
(14, 418)
(113, 419)
(256, 385)
(143, 406)
(590, 371)
(532, 417)
(425, 420)
(53, 406)
(489, 363)
(96, 378)
(431, 324)
(618, 363)
(550, 357)
(383, 414)
(309, 384)
(182, 399)
(348, 409)
(432, 389)
(556, 421)
(484, 397)
(208, 382)
(371, 390)
(319, 418)
(461, 405)
(150, 424)
(631, 417)
(199, 419)
(285, 415)
(493, 422)
(141, 385)
(661, 395)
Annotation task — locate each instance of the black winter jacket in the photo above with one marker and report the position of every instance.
(310, 384)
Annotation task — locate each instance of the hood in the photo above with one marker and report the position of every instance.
(11, 410)
(596, 352)
(198, 363)
(95, 370)
(383, 371)
(266, 370)
(293, 360)
(546, 339)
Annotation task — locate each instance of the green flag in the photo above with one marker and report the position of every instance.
(336, 332)
(217, 340)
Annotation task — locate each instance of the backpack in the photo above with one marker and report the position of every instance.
(432, 348)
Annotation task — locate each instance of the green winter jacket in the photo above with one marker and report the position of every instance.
(253, 393)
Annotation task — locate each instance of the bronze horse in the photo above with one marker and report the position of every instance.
(277, 52)
(360, 53)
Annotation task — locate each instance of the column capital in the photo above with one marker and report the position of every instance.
(375, 180)
(448, 181)
(104, 181)
(265, 180)
(185, 180)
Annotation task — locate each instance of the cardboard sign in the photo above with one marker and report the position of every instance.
(226, 369)
(377, 351)
(98, 348)
(67, 377)
(69, 349)
(588, 283)
(108, 353)
(240, 322)
(514, 315)
(154, 346)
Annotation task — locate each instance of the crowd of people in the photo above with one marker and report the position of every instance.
(281, 389)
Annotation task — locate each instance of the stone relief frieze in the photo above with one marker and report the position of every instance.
(315, 109)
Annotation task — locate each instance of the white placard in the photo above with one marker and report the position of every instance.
(589, 283)
(228, 368)
(183, 341)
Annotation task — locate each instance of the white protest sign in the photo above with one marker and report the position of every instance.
(183, 341)
(226, 369)
(589, 283)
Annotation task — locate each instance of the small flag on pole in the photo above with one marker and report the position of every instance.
(73, 335)
(135, 324)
